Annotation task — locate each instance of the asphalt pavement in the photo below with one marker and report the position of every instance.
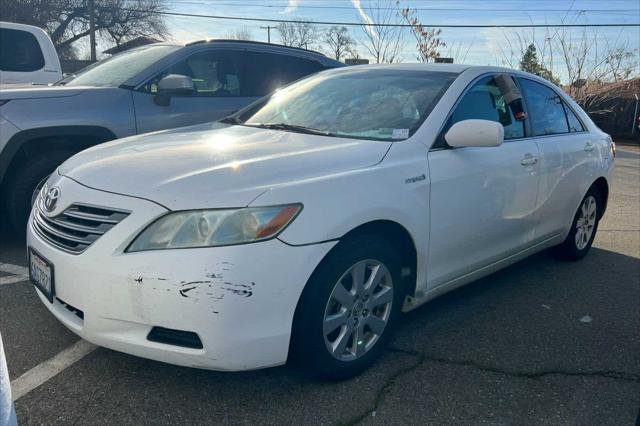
(541, 342)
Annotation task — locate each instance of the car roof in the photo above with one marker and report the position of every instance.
(261, 46)
(416, 66)
(475, 70)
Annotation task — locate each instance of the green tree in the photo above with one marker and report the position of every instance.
(530, 63)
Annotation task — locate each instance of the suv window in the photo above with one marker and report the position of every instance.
(267, 71)
(215, 73)
(575, 125)
(19, 51)
(485, 101)
(545, 108)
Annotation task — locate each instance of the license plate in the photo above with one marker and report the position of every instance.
(41, 274)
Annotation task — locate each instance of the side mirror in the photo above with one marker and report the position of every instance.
(468, 133)
(173, 85)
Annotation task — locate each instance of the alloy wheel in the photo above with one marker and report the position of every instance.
(358, 310)
(586, 222)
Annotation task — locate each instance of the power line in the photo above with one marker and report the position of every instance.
(444, 9)
(361, 24)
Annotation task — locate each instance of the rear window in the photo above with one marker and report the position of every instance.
(19, 51)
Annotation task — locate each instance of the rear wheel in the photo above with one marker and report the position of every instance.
(24, 183)
(348, 309)
(583, 229)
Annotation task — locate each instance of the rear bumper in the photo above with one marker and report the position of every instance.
(239, 300)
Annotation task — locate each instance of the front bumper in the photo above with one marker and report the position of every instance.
(239, 300)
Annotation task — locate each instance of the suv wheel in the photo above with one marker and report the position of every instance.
(23, 184)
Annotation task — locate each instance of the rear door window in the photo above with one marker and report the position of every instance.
(19, 51)
(546, 109)
(267, 72)
(485, 101)
(575, 125)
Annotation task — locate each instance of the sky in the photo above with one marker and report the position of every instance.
(471, 45)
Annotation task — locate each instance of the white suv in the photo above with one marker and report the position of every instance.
(307, 222)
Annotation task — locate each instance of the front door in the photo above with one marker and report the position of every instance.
(218, 77)
(482, 199)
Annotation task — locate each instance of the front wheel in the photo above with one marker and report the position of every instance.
(583, 229)
(348, 309)
(24, 184)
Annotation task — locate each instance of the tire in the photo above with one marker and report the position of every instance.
(370, 309)
(582, 233)
(26, 177)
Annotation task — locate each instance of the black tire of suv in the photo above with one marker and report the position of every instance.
(19, 186)
(569, 250)
(308, 349)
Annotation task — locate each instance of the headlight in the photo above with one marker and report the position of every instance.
(209, 228)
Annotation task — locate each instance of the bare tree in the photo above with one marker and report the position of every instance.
(591, 61)
(339, 41)
(67, 21)
(428, 41)
(299, 33)
(458, 50)
(383, 43)
(243, 33)
(585, 61)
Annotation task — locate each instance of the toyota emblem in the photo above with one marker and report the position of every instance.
(51, 199)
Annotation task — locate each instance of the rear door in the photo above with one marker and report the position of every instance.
(218, 76)
(483, 200)
(567, 157)
(267, 72)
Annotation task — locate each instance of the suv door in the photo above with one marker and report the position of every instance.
(218, 79)
(482, 199)
(567, 157)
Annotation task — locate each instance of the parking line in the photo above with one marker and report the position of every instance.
(42, 373)
(18, 273)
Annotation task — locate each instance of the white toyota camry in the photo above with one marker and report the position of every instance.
(303, 225)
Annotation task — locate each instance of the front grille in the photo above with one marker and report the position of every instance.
(76, 228)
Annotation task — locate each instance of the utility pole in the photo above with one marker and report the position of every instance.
(268, 28)
(92, 29)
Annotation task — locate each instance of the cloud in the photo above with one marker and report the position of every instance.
(293, 5)
(365, 18)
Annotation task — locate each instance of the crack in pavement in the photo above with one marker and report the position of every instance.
(422, 358)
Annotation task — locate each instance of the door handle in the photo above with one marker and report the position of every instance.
(529, 160)
(589, 146)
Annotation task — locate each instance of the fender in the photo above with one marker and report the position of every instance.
(39, 136)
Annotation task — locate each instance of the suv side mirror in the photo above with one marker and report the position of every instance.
(478, 133)
(173, 85)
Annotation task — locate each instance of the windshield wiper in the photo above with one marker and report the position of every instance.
(293, 128)
(231, 120)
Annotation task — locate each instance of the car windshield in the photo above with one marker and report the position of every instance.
(119, 68)
(380, 104)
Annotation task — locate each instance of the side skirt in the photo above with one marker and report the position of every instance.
(411, 303)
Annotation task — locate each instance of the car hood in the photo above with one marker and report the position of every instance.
(37, 91)
(215, 165)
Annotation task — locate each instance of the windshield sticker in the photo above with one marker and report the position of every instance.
(400, 133)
